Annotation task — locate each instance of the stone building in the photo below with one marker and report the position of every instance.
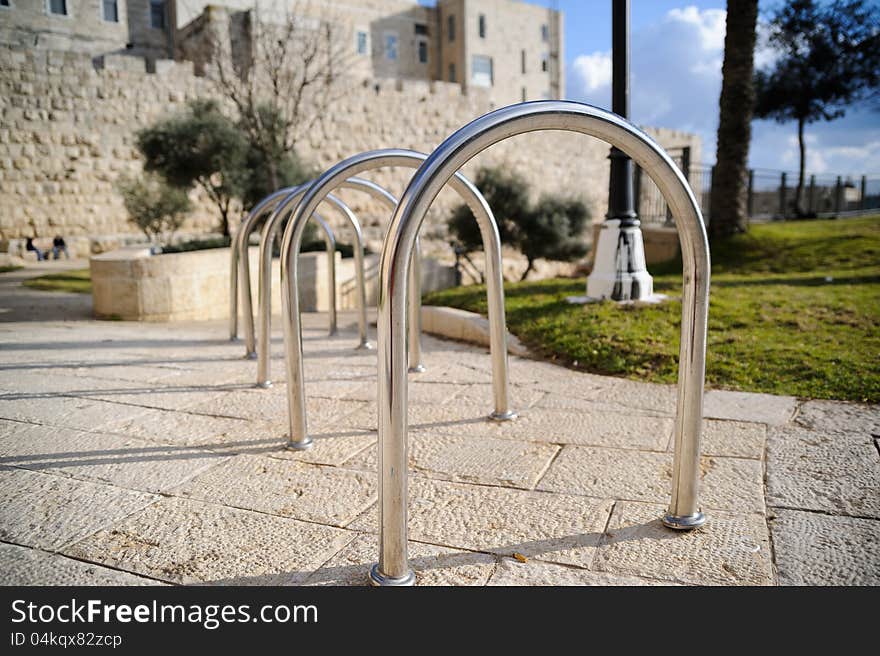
(96, 27)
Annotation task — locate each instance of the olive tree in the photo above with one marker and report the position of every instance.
(551, 229)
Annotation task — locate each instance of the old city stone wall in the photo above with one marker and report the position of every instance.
(67, 126)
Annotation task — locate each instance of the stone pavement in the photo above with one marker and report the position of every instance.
(19, 303)
(142, 454)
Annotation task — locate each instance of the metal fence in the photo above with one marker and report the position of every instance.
(771, 193)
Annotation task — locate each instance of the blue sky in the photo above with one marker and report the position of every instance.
(677, 51)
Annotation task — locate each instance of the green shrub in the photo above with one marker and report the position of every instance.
(154, 206)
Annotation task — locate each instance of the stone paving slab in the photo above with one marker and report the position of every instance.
(553, 527)
(463, 458)
(186, 541)
(453, 372)
(21, 566)
(45, 383)
(185, 429)
(332, 389)
(49, 512)
(631, 394)
(433, 565)
(326, 495)
(141, 370)
(729, 550)
(830, 472)
(734, 484)
(162, 397)
(69, 412)
(736, 439)
(482, 395)
(271, 405)
(749, 406)
(814, 549)
(534, 424)
(417, 392)
(333, 446)
(837, 416)
(123, 461)
(512, 572)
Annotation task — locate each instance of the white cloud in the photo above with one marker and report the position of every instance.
(675, 72)
(710, 25)
(593, 72)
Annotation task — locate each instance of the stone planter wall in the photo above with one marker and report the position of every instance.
(133, 285)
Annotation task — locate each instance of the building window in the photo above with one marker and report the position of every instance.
(391, 46)
(523, 61)
(423, 51)
(421, 29)
(450, 27)
(58, 7)
(361, 43)
(452, 73)
(4, 3)
(157, 14)
(545, 62)
(110, 11)
(482, 22)
(545, 33)
(482, 75)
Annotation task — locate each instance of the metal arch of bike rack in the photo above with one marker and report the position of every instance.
(327, 182)
(264, 295)
(683, 513)
(270, 228)
(414, 303)
(240, 269)
(242, 236)
(415, 297)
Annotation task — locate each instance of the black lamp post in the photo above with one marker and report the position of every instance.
(619, 272)
(620, 191)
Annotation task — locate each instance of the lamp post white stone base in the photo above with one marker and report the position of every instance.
(619, 269)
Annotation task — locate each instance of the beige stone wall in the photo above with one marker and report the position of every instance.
(67, 131)
(66, 135)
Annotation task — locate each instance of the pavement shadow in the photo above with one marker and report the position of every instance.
(97, 394)
(159, 452)
(356, 574)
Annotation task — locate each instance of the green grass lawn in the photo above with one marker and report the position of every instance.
(78, 281)
(794, 310)
(6, 268)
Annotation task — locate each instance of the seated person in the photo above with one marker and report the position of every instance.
(59, 246)
(29, 246)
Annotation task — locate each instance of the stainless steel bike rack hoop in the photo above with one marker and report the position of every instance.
(684, 512)
(415, 296)
(240, 272)
(264, 296)
(326, 183)
(242, 235)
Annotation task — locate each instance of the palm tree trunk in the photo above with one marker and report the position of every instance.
(799, 197)
(728, 202)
